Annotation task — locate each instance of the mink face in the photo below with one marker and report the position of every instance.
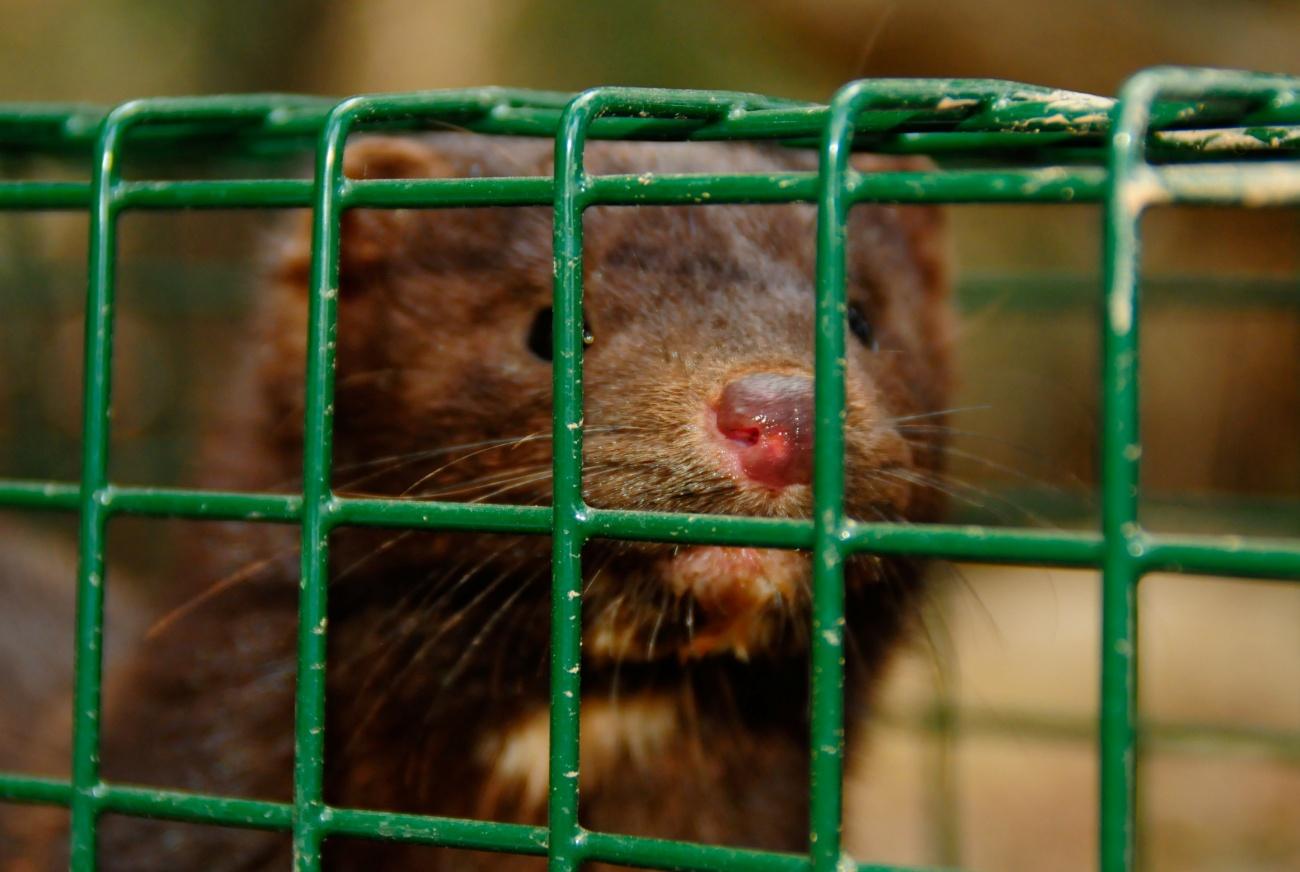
(697, 379)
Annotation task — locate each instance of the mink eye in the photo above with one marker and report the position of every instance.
(540, 338)
(861, 327)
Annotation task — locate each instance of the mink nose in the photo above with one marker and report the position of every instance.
(767, 420)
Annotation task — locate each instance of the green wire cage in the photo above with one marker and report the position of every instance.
(1161, 142)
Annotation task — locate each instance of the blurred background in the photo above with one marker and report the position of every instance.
(985, 755)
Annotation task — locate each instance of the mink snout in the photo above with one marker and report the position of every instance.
(767, 421)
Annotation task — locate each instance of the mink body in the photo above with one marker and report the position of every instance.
(694, 720)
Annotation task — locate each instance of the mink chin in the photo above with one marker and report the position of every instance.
(697, 399)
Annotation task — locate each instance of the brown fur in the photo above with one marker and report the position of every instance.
(438, 643)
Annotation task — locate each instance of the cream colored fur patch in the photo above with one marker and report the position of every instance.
(630, 731)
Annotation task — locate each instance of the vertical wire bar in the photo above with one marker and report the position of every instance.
(826, 763)
(1125, 200)
(322, 330)
(95, 429)
(565, 834)
(944, 807)
(566, 838)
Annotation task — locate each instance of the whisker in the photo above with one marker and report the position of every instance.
(953, 410)
(244, 573)
(386, 545)
(426, 645)
(963, 492)
(449, 678)
(512, 444)
(405, 458)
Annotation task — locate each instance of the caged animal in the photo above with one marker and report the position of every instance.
(698, 398)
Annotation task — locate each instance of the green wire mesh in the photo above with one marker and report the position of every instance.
(1001, 142)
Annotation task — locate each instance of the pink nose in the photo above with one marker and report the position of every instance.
(767, 420)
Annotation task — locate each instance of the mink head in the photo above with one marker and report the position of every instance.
(697, 393)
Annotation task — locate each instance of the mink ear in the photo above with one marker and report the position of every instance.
(369, 238)
(924, 226)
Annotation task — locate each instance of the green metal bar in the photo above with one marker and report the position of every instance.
(318, 501)
(566, 836)
(35, 789)
(564, 848)
(644, 853)
(1221, 555)
(977, 544)
(224, 194)
(1256, 184)
(1066, 292)
(826, 797)
(1229, 556)
(197, 808)
(166, 503)
(449, 832)
(322, 330)
(942, 772)
(256, 814)
(697, 529)
(1045, 184)
(96, 399)
(468, 192)
(1274, 183)
(1278, 745)
(482, 517)
(1028, 114)
(45, 195)
(40, 495)
(1051, 184)
(567, 839)
(1120, 451)
(647, 853)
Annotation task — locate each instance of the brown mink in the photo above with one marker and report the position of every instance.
(697, 399)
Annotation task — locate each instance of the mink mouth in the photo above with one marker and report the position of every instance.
(711, 601)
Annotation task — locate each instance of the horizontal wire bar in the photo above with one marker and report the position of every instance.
(1059, 184)
(441, 516)
(210, 505)
(261, 814)
(1253, 185)
(647, 853)
(216, 194)
(697, 529)
(1235, 556)
(1231, 556)
(906, 106)
(50, 496)
(410, 828)
(978, 544)
(195, 808)
(35, 789)
(451, 193)
(1263, 184)
(1169, 737)
(44, 195)
(445, 832)
(1052, 184)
